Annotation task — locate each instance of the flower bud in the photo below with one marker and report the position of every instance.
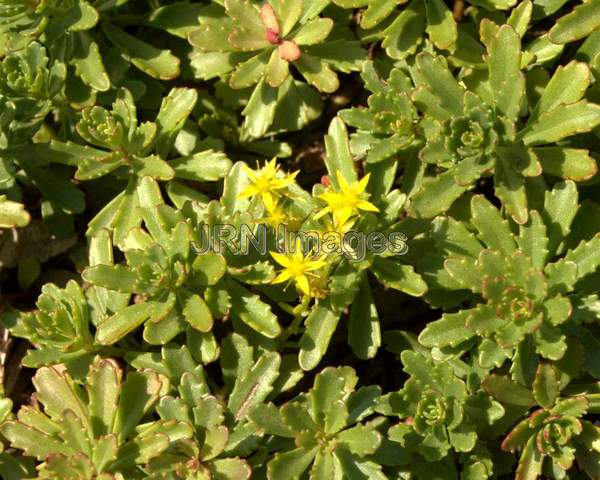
(289, 51)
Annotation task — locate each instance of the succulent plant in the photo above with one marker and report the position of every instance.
(305, 239)
(256, 46)
(95, 431)
(433, 402)
(477, 132)
(402, 25)
(387, 126)
(523, 282)
(323, 429)
(555, 434)
(132, 151)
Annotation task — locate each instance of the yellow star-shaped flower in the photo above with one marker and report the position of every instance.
(267, 183)
(346, 202)
(296, 268)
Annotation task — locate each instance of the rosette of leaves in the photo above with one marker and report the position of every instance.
(30, 87)
(23, 20)
(255, 46)
(556, 434)
(218, 410)
(61, 328)
(523, 284)
(222, 433)
(387, 125)
(29, 83)
(403, 25)
(196, 406)
(434, 404)
(322, 432)
(130, 151)
(178, 288)
(64, 26)
(477, 132)
(99, 431)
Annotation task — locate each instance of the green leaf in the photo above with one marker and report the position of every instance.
(235, 182)
(399, 276)
(320, 325)
(510, 189)
(530, 463)
(277, 70)
(560, 208)
(586, 256)
(116, 277)
(206, 166)
(249, 32)
(562, 122)
(583, 20)
(568, 163)
(436, 196)
(361, 440)
(250, 71)
(260, 110)
(533, 240)
(253, 387)
(441, 26)
(209, 268)
(404, 35)
(464, 271)
(124, 321)
(81, 17)
(506, 80)
(545, 385)
(520, 17)
(180, 18)
(505, 390)
(88, 63)
(377, 10)
(440, 83)
(252, 310)
(33, 442)
(313, 32)
(57, 392)
(568, 85)
(338, 157)
(290, 465)
(139, 393)
(317, 73)
(174, 110)
(160, 64)
(197, 314)
(103, 388)
(364, 335)
(494, 231)
(450, 330)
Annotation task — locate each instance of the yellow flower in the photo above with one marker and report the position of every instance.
(347, 201)
(267, 183)
(276, 216)
(296, 268)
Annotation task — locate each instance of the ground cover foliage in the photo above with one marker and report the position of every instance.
(439, 317)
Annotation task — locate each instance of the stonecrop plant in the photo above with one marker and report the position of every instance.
(299, 239)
